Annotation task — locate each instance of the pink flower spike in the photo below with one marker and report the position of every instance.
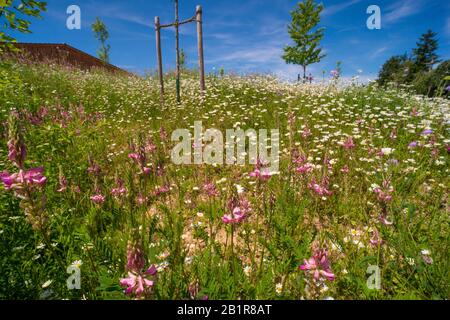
(318, 266)
(98, 198)
(255, 174)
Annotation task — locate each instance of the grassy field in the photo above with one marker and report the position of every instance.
(362, 186)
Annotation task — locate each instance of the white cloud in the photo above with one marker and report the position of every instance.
(401, 9)
(378, 52)
(331, 10)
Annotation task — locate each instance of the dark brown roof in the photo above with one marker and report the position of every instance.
(64, 54)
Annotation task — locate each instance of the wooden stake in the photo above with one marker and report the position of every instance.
(159, 55)
(177, 36)
(201, 63)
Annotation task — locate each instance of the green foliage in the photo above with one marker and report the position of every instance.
(433, 82)
(424, 55)
(101, 33)
(392, 69)
(13, 13)
(305, 35)
(417, 70)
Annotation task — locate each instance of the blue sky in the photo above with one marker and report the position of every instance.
(248, 36)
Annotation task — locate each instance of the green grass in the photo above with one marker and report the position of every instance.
(288, 221)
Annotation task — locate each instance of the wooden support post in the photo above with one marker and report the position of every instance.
(201, 63)
(159, 55)
(177, 36)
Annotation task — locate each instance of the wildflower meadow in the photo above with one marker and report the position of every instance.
(92, 205)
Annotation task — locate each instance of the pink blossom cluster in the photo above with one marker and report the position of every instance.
(259, 172)
(23, 179)
(384, 193)
(238, 213)
(348, 144)
(138, 282)
(320, 188)
(119, 190)
(318, 266)
(210, 189)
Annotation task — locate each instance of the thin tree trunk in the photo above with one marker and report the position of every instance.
(201, 64)
(304, 74)
(159, 56)
(177, 36)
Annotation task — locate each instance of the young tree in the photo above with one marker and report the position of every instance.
(13, 13)
(424, 55)
(101, 34)
(305, 35)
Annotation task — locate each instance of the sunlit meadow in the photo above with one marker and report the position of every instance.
(88, 183)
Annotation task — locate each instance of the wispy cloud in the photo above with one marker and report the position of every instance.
(263, 54)
(331, 10)
(401, 9)
(378, 52)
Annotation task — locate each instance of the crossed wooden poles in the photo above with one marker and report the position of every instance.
(177, 24)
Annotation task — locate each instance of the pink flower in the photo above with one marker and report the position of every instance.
(35, 176)
(263, 175)
(140, 158)
(306, 168)
(135, 257)
(32, 178)
(345, 169)
(348, 144)
(255, 173)
(318, 265)
(146, 170)
(98, 198)
(161, 190)
(117, 192)
(306, 132)
(210, 189)
(236, 216)
(94, 168)
(384, 193)
(141, 199)
(9, 180)
(320, 189)
(376, 239)
(136, 283)
(150, 146)
(134, 156)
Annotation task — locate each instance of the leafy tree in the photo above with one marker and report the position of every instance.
(101, 33)
(424, 54)
(433, 82)
(392, 69)
(305, 35)
(13, 16)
